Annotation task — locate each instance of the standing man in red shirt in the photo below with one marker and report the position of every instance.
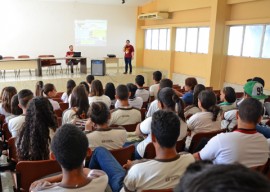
(129, 54)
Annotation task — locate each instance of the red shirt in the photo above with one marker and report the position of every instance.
(69, 53)
(128, 51)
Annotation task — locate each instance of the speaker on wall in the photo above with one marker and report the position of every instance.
(98, 67)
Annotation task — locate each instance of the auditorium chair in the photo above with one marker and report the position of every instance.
(12, 150)
(29, 171)
(64, 106)
(123, 154)
(24, 57)
(129, 128)
(58, 112)
(198, 138)
(143, 113)
(59, 94)
(54, 64)
(158, 190)
(6, 132)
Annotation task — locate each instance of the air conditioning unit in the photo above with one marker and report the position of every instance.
(154, 16)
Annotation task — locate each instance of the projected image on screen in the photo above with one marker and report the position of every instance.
(91, 32)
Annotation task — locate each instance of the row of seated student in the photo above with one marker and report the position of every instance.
(166, 101)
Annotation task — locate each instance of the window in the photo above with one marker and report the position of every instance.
(193, 39)
(157, 39)
(249, 41)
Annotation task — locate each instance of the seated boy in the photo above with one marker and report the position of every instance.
(69, 147)
(153, 89)
(141, 92)
(244, 145)
(160, 173)
(125, 114)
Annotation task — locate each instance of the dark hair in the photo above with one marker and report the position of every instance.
(24, 96)
(165, 127)
(79, 99)
(15, 109)
(165, 83)
(47, 88)
(122, 92)
(128, 40)
(70, 86)
(99, 113)
(86, 86)
(7, 95)
(132, 89)
(69, 146)
(90, 78)
(39, 87)
(202, 177)
(208, 102)
(229, 93)
(33, 141)
(169, 99)
(96, 88)
(139, 80)
(110, 91)
(197, 89)
(157, 75)
(191, 82)
(250, 110)
(259, 80)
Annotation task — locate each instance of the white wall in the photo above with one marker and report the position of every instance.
(35, 27)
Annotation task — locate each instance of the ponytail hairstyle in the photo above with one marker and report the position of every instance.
(70, 86)
(208, 102)
(39, 87)
(79, 99)
(168, 99)
(47, 88)
(197, 89)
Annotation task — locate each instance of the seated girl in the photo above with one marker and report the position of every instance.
(70, 86)
(49, 91)
(5, 105)
(97, 94)
(208, 119)
(99, 133)
(227, 98)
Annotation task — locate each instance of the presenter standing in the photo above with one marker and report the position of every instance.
(129, 54)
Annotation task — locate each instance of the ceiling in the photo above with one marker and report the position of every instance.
(109, 2)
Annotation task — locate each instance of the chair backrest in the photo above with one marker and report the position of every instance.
(6, 131)
(145, 104)
(158, 190)
(23, 56)
(45, 63)
(2, 119)
(150, 151)
(12, 150)
(64, 106)
(8, 57)
(196, 139)
(124, 154)
(59, 94)
(129, 127)
(29, 171)
(58, 112)
(180, 145)
(143, 113)
(239, 95)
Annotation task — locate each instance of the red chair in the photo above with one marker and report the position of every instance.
(64, 106)
(143, 113)
(59, 94)
(196, 139)
(124, 154)
(54, 63)
(58, 112)
(12, 150)
(129, 128)
(6, 132)
(29, 171)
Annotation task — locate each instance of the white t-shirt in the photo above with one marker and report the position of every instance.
(201, 122)
(55, 104)
(103, 98)
(111, 138)
(145, 128)
(155, 174)
(15, 125)
(153, 108)
(65, 97)
(69, 116)
(137, 102)
(249, 149)
(153, 89)
(229, 120)
(125, 116)
(144, 94)
(98, 184)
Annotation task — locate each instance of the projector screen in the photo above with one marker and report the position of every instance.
(91, 32)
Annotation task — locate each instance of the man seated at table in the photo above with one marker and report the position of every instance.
(71, 62)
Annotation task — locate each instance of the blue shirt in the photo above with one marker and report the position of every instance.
(188, 98)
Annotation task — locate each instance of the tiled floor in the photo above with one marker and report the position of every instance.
(59, 80)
